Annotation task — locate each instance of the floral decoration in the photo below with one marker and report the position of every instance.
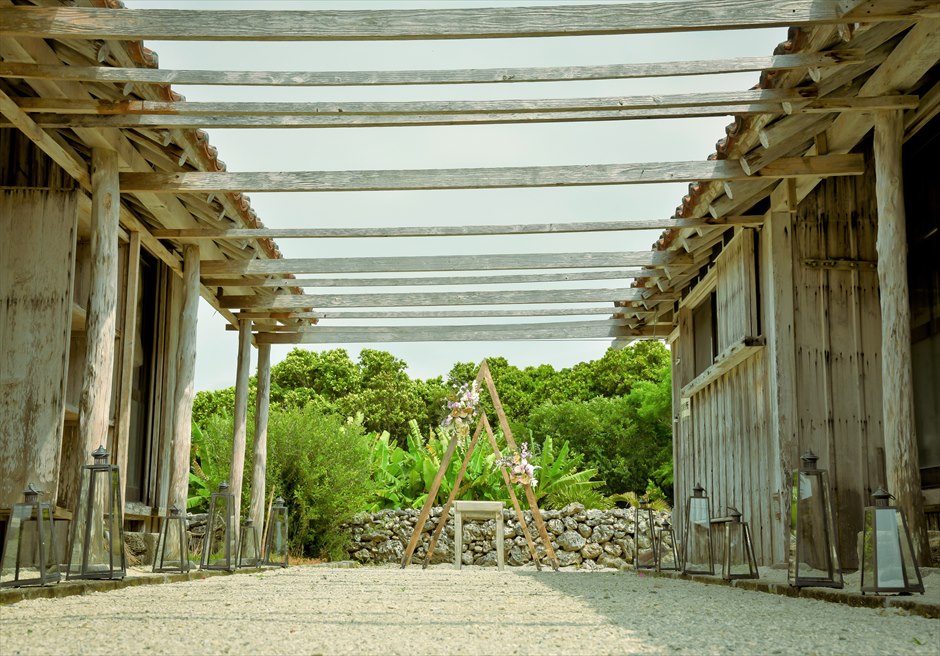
(462, 408)
(521, 471)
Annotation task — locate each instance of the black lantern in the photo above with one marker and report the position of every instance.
(739, 561)
(698, 553)
(218, 545)
(644, 536)
(249, 549)
(97, 542)
(29, 553)
(888, 563)
(813, 555)
(275, 543)
(667, 555)
(172, 553)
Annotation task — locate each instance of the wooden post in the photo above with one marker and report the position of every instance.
(900, 436)
(260, 458)
(128, 339)
(95, 404)
(185, 373)
(240, 432)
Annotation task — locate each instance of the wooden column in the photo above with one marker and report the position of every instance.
(185, 373)
(260, 458)
(128, 339)
(94, 410)
(241, 416)
(901, 458)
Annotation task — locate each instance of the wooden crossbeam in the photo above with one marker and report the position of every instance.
(434, 299)
(116, 75)
(426, 313)
(436, 281)
(408, 24)
(474, 333)
(452, 230)
(444, 263)
(484, 178)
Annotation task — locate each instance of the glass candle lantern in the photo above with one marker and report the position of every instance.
(249, 549)
(813, 553)
(888, 563)
(697, 553)
(644, 536)
(172, 554)
(275, 543)
(667, 555)
(219, 543)
(739, 561)
(29, 547)
(97, 539)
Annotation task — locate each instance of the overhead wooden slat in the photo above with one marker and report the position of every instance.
(431, 313)
(618, 274)
(498, 22)
(525, 331)
(484, 178)
(450, 231)
(463, 76)
(439, 299)
(444, 263)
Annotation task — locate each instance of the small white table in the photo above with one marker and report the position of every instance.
(478, 510)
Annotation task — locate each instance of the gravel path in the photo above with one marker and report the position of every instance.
(385, 610)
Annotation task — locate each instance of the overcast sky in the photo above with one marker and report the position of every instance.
(455, 147)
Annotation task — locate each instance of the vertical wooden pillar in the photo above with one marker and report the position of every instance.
(128, 339)
(241, 416)
(901, 457)
(260, 458)
(94, 409)
(185, 373)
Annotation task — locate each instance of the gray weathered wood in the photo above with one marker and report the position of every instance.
(253, 281)
(185, 379)
(128, 342)
(900, 434)
(500, 22)
(260, 453)
(484, 178)
(443, 263)
(464, 76)
(433, 314)
(240, 433)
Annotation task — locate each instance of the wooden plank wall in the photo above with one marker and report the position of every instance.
(838, 345)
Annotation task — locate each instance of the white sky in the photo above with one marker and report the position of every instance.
(454, 147)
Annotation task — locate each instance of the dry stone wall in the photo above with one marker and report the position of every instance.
(581, 538)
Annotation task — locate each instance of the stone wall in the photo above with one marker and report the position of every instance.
(581, 538)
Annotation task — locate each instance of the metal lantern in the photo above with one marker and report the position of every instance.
(97, 541)
(644, 536)
(739, 561)
(888, 563)
(667, 555)
(172, 553)
(218, 545)
(813, 555)
(29, 553)
(249, 549)
(698, 552)
(275, 543)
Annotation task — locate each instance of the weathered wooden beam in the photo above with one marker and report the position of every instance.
(568, 276)
(408, 24)
(812, 60)
(430, 313)
(832, 104)
(900, 433)
(259, 460)
(443, 263)
(439, 299)
(484, 178)
(128, 341)
(240, 430)
(451, 230)
(479, 333)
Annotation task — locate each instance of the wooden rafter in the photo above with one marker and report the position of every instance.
(429, 313)
(436, 281)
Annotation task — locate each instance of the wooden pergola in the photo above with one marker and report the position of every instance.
(77, 83)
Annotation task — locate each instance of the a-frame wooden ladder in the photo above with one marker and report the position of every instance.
(486, 377)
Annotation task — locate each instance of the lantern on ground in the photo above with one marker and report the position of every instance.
(218, 545)
(813, 554)
(644, 535)
(888, 563)
(172, 553)
(275, 543)
(249, 549)
(739, 561)
(97, 541)
(29, 552)
(667, 555)
(697, 553)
